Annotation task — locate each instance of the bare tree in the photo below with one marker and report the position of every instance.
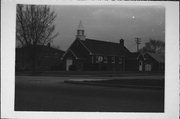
(56, 47)
(154, 46)
(34, 26)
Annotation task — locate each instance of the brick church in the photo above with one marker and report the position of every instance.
(86, 54)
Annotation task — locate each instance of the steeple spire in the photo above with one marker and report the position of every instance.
(80, 31)
(80, 27)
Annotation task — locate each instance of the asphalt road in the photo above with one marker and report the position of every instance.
(52, 94)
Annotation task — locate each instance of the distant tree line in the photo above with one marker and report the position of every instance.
(154, 46)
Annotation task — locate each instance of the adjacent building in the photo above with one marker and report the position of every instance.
(47, 58)
(151, 62)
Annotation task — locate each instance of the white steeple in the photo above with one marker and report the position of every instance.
(80, 27)
(80, 31)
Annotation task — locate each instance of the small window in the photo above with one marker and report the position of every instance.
(120, 60)
(99, 59)
(148, 67)
(105, 59)
(113, 59)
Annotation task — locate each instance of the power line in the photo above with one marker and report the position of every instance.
(138, 42)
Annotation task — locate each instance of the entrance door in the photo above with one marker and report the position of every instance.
(140, 66)
(69, 62)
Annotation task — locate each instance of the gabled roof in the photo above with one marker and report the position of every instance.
(105, 48)
(158, 57)
(76, 55)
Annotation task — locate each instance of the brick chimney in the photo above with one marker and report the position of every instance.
(121, 42)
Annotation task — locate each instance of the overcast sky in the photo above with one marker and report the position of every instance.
(110, 23)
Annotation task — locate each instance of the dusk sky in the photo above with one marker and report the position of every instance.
(110, 23)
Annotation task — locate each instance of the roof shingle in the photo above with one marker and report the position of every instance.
(158, 57)
(105, 48)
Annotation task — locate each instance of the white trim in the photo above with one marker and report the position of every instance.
(68, 64)
(85, 47)
(140, 65)
(139, 56)
(64, 54)
(74, 54)
(68, 49)
(71, 52)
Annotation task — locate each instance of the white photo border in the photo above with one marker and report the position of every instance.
(8, 22)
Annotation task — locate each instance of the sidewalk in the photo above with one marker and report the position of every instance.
(83, 78)
(145, 82)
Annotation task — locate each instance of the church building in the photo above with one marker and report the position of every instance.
(86, 54)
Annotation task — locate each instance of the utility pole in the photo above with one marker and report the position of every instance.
(138, 42)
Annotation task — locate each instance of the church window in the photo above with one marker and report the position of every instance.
(120, 60)
(148, 67)
(113, 59)
(99, 59)
(105, 59)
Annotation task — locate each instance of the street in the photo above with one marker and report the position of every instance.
(52, 94)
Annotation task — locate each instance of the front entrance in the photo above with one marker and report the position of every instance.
(141, 66)
(69, 62)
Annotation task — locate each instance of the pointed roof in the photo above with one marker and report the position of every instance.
(158, 57)
(80, 27)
